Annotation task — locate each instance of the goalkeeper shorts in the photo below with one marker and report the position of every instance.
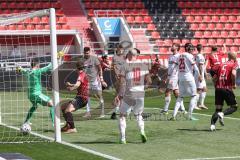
(40, 99)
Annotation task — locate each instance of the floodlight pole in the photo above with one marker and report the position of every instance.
(55, 83)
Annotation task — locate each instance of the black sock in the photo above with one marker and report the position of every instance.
(214, 118)
(69, 120)
(230, 110)
(64, 115)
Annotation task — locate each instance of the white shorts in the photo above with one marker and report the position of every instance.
(95, 87)
(136, 104)
(187, 88)
(172, 84)
(202, 84)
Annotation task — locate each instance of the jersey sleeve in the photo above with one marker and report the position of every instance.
(96, 61)
(46, 69)
(191, 59)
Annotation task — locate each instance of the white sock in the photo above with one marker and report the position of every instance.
(102, 105)
(177, 106)
(196, 100)
(122, 128)
(167, 102)
(182, 106)
(191, 106)
(140, 123)
(202, 97)
(88, 105)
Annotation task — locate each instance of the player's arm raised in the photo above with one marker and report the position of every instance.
(46, 69)
(72, 87)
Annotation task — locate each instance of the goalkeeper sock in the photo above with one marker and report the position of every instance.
(30, 113)
(140, 123)
(69, 118)
(230, 110)
(52, 114)
(122, 128)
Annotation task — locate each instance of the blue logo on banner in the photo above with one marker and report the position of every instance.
(109, 26)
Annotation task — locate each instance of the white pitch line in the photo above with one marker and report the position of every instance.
(235, 157)
(207, 115)
(69, 144)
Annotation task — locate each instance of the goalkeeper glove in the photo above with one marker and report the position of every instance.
(18, 69)
(60, 54)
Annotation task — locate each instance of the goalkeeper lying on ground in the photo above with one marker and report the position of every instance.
(35, 94)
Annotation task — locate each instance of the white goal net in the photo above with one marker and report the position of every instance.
(25, 42)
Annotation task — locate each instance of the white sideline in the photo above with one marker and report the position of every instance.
(235, 157)
(69, 144)
(207, 115)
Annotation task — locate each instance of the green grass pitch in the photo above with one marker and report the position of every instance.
(171, 140)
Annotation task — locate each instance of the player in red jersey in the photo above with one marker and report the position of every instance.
(224, 80)
(214, 60)
(78, 102)
(105, 64)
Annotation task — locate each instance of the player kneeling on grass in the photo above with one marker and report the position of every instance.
(35, 94)
(132, 74)
(79, 101)
(224, 81)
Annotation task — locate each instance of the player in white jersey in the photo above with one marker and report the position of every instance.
(172, 80)
(201, 86)
(134, 73)
(118, 61)
(93, 69)
(187, 87)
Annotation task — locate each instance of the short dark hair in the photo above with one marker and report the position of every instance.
(199, 47)
(34, 62)
(86, 49)
(80, 64)
(214, 48)
(188, 47)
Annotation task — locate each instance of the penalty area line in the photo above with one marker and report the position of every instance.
(206, 115)
(213, 158)
(68, 144)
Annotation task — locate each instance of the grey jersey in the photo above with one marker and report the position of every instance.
(91, 68)
(118, 62)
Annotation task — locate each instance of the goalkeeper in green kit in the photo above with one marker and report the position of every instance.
(35, 94)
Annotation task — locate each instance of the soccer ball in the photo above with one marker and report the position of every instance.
(26, 128)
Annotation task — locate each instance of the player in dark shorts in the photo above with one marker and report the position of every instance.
(224, 81)
(78, 102)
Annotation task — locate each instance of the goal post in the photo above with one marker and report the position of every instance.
(14, 99)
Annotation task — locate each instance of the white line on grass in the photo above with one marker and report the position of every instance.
(235, 157)
(207, 115)
(68, 144)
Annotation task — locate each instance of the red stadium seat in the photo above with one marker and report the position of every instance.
(181, 4)
(47, 27)
(38, 5)
(178, 41)
(203, 42)
(236, 26)
(220, 42)
(211, 42)
(139, 5)
(206, 18)
(39, 27)
(231, 5)
(4, 5)
(194, 26)
(12, 5)
(207, 49)
(184, 41)
(163, 50)
(155, 35)
(36, 20)
(2, 28)
(215, 34)
(168, 42)
(138, 19)
(62, 20)
(121, 5)
(224, 34)
(232, 34)
(198, 34)
(30, 27)
(213, 5)
(12, 27)
(207, 34)
(190, 19)
(228, 26)
(151, 27)
(223, 18)
(227, 11)
(130, 5)
(65, 27)
(194, 41)
(215, 19)
(229, 41)
(202, 26)
(56, 5)
(147, 19)
(211, 26)
(112, 5)
(219, 26)
(130, 19)
(186, 12)
(236, 41)
(198, 19)
(20, 27)
(235, 12)
(232, 18)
